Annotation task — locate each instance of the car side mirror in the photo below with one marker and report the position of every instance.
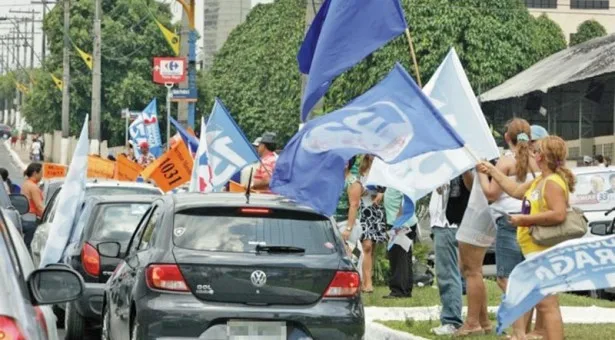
(109, 249)
(599, 229)
(20, 202)
(54, 285)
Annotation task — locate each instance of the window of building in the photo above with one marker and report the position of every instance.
(589, 4)
(541, 3)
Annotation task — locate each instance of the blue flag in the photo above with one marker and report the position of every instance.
(228, 150)
(152, 128)
(341, 35)
(394, 121)
(191, 141)
(406, 213)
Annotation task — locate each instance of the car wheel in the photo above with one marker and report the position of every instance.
(106, 324)
(74, 323)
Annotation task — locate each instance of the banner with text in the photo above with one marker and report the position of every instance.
(52, 170)
(127, 170)
(172, 169)
(100, 167)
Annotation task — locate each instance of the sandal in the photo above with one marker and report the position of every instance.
(534, 336)
(367, 291)
(488, 329)
(463, 332)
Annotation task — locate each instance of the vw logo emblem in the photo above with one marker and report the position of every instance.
(258, 278)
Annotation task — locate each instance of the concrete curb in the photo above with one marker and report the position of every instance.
(15, 156)
(376, 331)
(586, 315)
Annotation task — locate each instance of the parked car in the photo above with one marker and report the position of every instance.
(204, 266)
(49, 188)
(14, 206)
(93, 187)
(595, 195)
(25, 291)
(104, 219)
(5, 131)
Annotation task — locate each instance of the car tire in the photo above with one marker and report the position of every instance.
(105, 333)
(74, 323)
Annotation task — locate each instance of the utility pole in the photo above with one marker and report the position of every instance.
(96, 78)
(32, 44)
(186, 108)
(44, 39)
(65, 85)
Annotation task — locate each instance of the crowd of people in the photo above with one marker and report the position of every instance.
(528, 186)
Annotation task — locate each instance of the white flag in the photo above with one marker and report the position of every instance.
(450, 91)
(70, 200)
(477, 226)
(201, 171)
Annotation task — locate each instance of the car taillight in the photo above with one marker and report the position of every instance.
(9, 329)
(165, 277)
(40, 317)
(258, 211)
(344, 284)
(90, 260)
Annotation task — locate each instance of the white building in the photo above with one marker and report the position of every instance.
(569, 14)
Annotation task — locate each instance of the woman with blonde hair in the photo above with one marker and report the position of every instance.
(545, 203)
(520, 167)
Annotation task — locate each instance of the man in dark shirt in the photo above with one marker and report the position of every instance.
(447, 210)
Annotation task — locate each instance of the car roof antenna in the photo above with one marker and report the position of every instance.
(248, 188)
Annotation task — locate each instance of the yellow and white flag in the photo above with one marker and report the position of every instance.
(87, 58)
(59, 83)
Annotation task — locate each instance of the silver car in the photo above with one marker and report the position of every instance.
(92, 188)
(25, 290)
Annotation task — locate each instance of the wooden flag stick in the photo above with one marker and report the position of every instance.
(416, 64)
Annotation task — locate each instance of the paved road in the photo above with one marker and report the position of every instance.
(7, 162)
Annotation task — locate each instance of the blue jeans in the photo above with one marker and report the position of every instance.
(448, 275)
(507, 252)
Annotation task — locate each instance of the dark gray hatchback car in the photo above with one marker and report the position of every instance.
(206, 266)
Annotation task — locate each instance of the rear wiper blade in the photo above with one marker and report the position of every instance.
(279, 249)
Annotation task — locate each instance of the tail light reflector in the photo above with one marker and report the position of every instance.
(40, 317)
(165, 277)
(9, 330)
(90, 260)
(344, 284)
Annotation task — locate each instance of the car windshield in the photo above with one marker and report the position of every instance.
(594, 191)
(230, 230)
(118, 221)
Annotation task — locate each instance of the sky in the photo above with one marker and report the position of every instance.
(24, 5)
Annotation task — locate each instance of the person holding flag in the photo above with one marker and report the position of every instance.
(262, 175)
(146, 158)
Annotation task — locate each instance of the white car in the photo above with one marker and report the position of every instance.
(25, 291)
(595, 195)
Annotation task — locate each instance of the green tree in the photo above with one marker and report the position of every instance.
(256, 75)
(587, 30)
(130, 38)
(549, 36)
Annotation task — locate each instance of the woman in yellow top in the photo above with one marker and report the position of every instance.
(545, 203)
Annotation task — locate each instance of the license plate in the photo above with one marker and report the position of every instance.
(256, 330)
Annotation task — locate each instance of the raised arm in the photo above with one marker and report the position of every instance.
(508, 185)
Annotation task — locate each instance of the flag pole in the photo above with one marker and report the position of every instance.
(416, 64)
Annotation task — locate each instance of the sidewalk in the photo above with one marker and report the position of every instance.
(19, 155)
(586, 315)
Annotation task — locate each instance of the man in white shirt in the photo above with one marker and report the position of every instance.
(35, 150)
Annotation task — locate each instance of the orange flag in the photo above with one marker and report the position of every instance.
(100, 167)
(236, 187)
(172, 169)
(51, 170)
(127, 170)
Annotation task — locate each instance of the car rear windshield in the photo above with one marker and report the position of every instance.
(100, 191)
(118, 221)
(240, 230)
